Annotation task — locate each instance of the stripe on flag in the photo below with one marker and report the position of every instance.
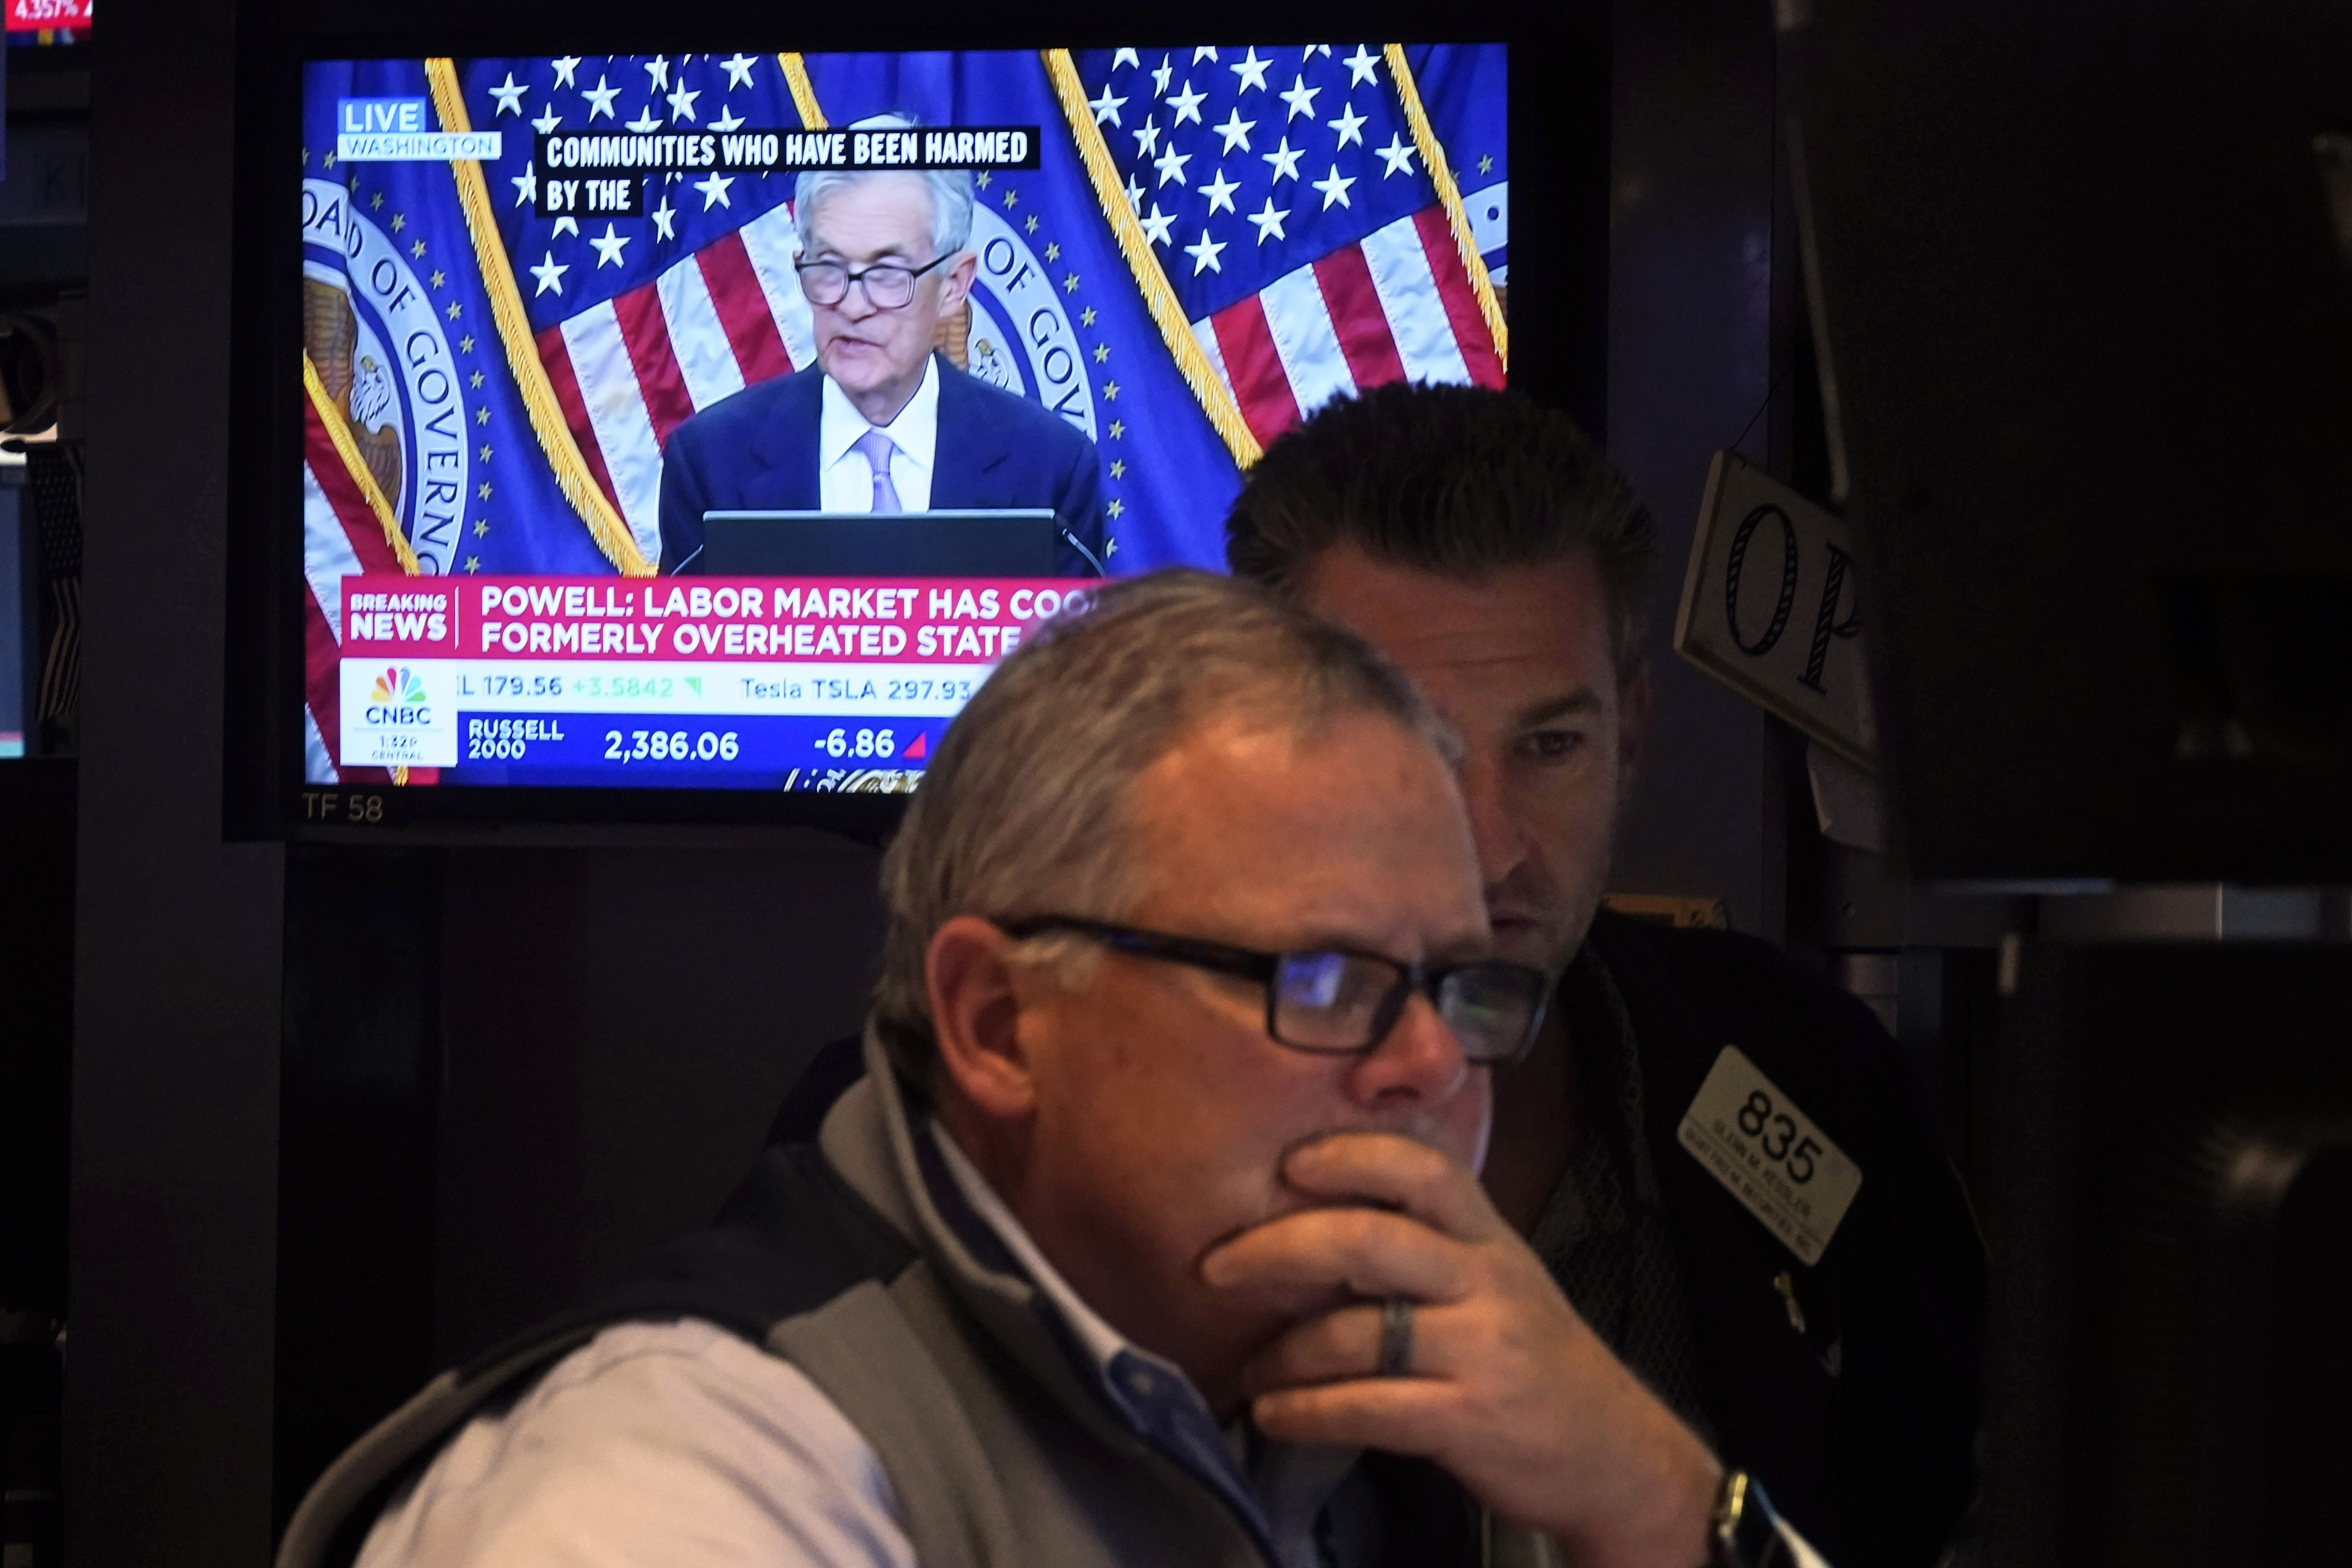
(772, 244)
(341, 537)
(327, 553)
(322, 466)
(617, 412)
(557, 358)
(697, 338)
(1253, 369)
(736, 294)
(1470, 333)
(1418, 325)
(317, 763)
(1205, 334)
(1357, 319)
(322, 674)
(1300, 324)
(661, 383)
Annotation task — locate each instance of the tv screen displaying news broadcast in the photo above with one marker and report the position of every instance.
(717, 421)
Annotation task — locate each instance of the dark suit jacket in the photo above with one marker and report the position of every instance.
(757, 451)
(1861, 1426)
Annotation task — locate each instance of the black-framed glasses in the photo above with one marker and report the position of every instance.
(888, 284)
(1341, 1002)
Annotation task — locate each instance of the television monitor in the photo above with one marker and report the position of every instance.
(549, 320)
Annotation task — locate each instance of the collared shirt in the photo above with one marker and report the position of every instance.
(680, 1442)
(846, 479)
(1285, 1486)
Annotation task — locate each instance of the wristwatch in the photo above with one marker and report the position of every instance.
(1744, 1532)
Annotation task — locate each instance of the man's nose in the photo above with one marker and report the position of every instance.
(1419, 1063)
(1492, 828)
(857, 303)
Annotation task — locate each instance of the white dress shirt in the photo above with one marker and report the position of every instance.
(845, 478)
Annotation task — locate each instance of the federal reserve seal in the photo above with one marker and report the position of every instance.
(1021, 337)
(369, 329)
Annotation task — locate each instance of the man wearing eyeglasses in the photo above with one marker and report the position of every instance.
(1153, 1235)
(882, 422)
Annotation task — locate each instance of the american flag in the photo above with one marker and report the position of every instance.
(1287, 196)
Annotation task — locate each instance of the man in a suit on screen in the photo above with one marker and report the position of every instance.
(881, 423)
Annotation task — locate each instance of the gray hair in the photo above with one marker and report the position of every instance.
(1025, 809)
(951, 190)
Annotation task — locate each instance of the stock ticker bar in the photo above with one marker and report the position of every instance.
(759, 683)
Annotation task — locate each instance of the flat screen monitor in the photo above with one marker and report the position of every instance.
(568, 318)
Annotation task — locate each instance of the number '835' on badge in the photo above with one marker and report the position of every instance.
(1770, 1155)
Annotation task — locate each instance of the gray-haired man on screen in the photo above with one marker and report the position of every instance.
(1154, 1233)
(882, 422)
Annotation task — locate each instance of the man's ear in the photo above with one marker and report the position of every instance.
(957, 288)
(976, 1015)
(1633, 703)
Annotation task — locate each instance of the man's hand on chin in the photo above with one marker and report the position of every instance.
(1505, 1386)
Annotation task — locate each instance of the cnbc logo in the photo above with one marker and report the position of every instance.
(397, 698)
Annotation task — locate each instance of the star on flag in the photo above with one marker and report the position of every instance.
(509, 96)
(1204, 253)
(1333, 186)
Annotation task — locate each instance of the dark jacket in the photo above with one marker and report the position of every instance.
(1861, 1424)
(757, 451)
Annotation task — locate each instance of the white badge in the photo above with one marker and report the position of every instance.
(1770, 1155)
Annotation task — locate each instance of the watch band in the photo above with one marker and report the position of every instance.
(1744, 1532)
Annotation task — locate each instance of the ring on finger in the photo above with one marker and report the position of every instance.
(1396, 1337)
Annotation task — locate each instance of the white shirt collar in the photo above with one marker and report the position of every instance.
(1102, 1341)
(1292, 1482)
(915, 432)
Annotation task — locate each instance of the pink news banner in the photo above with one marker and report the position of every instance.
(804, 683)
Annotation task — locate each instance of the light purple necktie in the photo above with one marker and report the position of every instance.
(878, 447)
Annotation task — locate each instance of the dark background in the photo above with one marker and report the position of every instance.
(339, 1114)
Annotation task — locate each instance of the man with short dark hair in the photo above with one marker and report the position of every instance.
(1153, 1235)
(1488, 548)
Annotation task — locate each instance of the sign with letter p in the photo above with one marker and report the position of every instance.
(1773, 607)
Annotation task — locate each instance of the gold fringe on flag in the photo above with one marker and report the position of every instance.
(796, 77)
(339, 431)
(1449, 195)
(1216, 397)
(605, 524)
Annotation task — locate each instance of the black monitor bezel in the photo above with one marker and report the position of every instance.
(1559, 145)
